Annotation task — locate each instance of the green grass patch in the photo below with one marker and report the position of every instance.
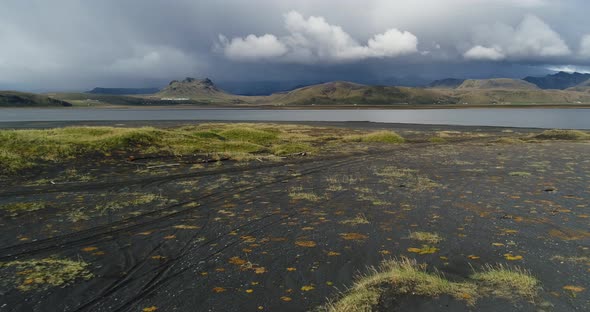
(15, 209)
(432, 238)
(44, 273)
(378, 137)
(508, 141)
(357, 220)
(407, 277)
(504, 282)
(519, 174)
(291, 148)
(298, 193)
(437, 140)
(251, 135)
(20, 149)
(132, 200)
(556, 134)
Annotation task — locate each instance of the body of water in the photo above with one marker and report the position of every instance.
(530, 117)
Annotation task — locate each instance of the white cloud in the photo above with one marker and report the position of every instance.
(570, 69)
(313, 39)
(483, 53)
(253, 47)
(532, 38)
(585, 46)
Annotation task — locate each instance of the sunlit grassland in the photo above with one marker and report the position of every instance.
(21, 149)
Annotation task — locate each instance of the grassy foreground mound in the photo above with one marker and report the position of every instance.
(20, 149)
(407, 277)
(556, 134)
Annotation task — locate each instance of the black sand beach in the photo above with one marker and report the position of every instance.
(182, 234)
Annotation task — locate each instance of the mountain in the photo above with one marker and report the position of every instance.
(123, 91)
(191, 91)
(497, 83)
(192, 88)
(561, 80)
(342, 92)
(20, 99)
(447, 83)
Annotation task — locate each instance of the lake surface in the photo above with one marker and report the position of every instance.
(577, 118)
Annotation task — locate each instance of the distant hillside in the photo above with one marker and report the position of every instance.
(583, 87)
(448, 83)
(561, 80)
(258, 88)
(498, 83)
(123, 91)
(470, 92)
(21, 99)
(341, 92)
(192, 91)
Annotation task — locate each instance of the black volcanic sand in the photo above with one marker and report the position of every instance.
(237, 237)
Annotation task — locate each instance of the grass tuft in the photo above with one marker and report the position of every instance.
(358, 220)
(502, 281)
(406, 277)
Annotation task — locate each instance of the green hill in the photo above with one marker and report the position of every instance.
(23, 99)
(341, 92)
(583, 87)
(498, 83)
(191, 91)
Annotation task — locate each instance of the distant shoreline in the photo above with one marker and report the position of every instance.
(309, 107)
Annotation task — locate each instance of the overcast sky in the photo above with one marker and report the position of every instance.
(71, 45)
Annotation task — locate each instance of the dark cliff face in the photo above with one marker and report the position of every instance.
(561, 80)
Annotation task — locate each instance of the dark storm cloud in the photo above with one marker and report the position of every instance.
(67, 44)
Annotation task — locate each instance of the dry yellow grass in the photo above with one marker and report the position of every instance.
(407, 277)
